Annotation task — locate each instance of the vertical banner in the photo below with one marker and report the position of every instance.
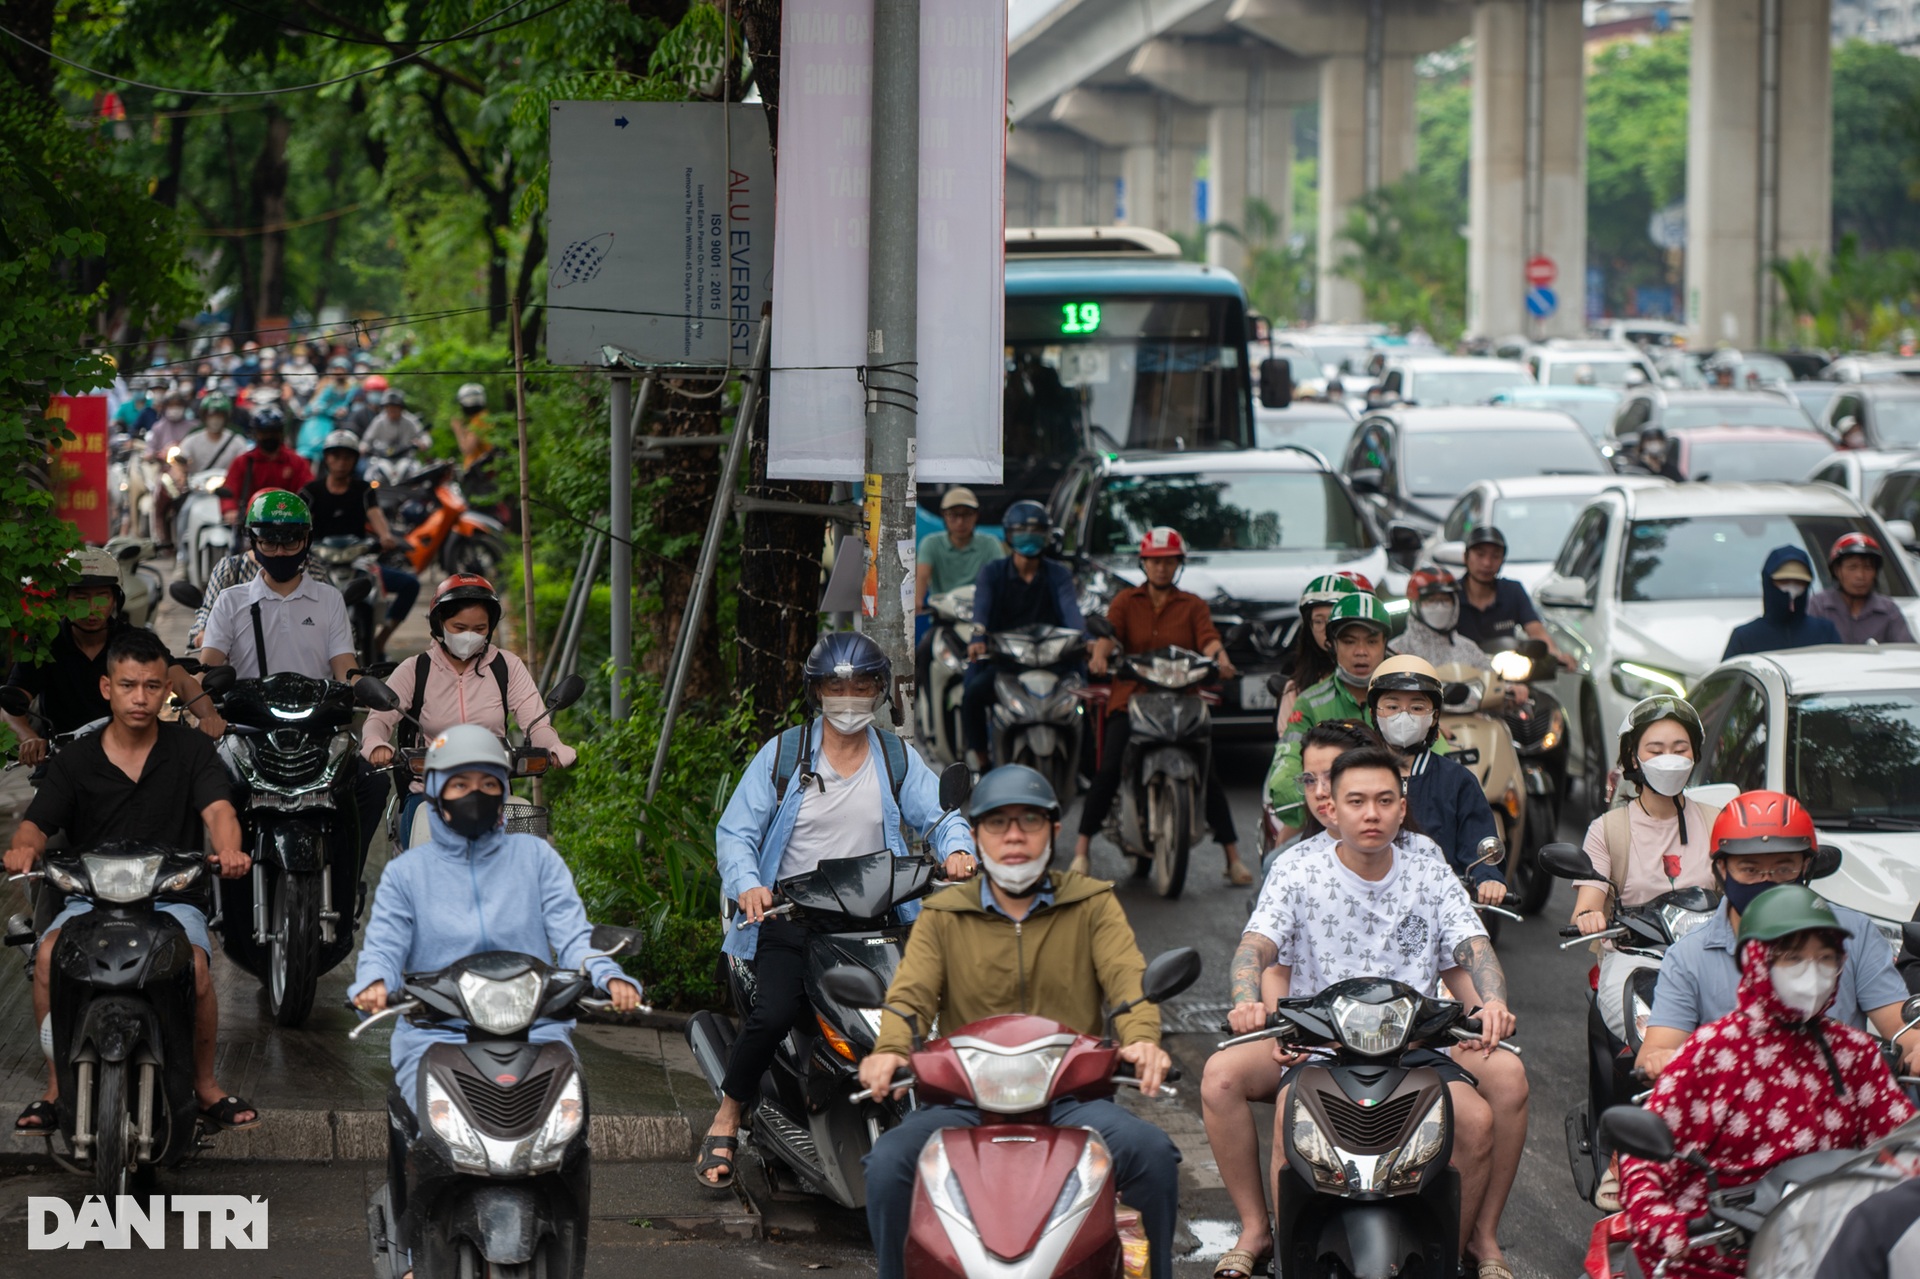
(817, 428)
(80, 470)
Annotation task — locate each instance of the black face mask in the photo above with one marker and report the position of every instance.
(1740, 896)
(267, 443)
(282, 568)
(474, 814)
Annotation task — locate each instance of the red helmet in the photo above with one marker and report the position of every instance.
(1855, 544)
(1762, 821)
(1431, 580)
(1358, 579)
(462, 590)
(1162, 542)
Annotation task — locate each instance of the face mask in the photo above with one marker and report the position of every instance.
(473, 814)
(1029, 544)
(1740, 896)
(1440, 617)
(1352, 681)
(1806, 985)
(1792, 590)
(267, 443)
(1017, 880)
(1406, 729)
(848, 714)
(175, 413)
(1667, 774)
(214, 426)
(1655, 453)
(282, 568)
(464, 644)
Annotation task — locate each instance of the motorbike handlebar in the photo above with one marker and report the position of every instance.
(391, 1010)
(901, 1078)
(744, 922)
(1602, 934)
(1468, 1032)
(1572, 930)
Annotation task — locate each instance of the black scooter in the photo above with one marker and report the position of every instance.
(121, 992)
(1538, 727)
(496, 1182)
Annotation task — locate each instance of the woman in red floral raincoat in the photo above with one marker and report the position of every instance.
(1772, 1080)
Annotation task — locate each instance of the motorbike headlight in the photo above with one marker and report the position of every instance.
(1638, 680)
(213, 482)
(1512, 666)
(122, 879)
(1313, 1146)
(1018, 647)
(1083, 1183)
(943, 1188)
(1421, 1148)
(1011, 1083)
(1039, 683)
(1476, 691)
(1172, 672)
(452, 1127)
(501, 1007)
(951, 655)
(563, 1121)
(1373, 1030)
(1054, 648)
(1681, 922)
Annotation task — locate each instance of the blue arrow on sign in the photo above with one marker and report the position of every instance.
(1541, 301)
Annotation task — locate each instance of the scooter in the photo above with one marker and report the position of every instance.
(1472, 709)
(1036, 715)
(443, 530)
(121, 995)
(1015, 1196)
(350, 559)
(497, 1181)
(201, 537)
(938, 702)
(1365, 1183)
(140, 581)
(1538, 727)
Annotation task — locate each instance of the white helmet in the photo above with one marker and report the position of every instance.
(340, 439)
(96, 565)
(471, 395)
(465, 746)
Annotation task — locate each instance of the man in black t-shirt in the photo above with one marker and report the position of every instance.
(138, 778)
(343, 505)
(1493, 607)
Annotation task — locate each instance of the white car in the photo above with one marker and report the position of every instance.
(1438, 380)
(1838, 728)
(1533, 511)
(1577, 362)
(1858, 471)
(1651, 581)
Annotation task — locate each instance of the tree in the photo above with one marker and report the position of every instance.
(1876, 153)
(1636, 158)
(1409, 257)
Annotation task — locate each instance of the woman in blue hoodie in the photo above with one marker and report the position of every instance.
(472, 887)
(1784, 621)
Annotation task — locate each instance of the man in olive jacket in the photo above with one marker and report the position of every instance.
(1022, 941)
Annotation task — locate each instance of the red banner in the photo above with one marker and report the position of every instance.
(80, 472)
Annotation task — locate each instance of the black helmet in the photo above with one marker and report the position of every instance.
(1008, 785)
(269, 420)
(1651, 710)
(1486, 535)
(843, 654)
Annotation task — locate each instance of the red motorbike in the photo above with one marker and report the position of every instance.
(1016, 1197)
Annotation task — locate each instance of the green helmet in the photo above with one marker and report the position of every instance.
(1358, 609)
(1328, 588)
(1783, 910)
(277, 508)
(216, 404)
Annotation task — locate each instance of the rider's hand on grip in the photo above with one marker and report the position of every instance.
(755, 902)
(1247, 1017)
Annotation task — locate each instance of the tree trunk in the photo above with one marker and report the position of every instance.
(239, 208)
(270, 191)
(686, 478)
(167, 190)
(530, 310)
(32, 20)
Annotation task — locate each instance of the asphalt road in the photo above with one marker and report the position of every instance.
(651, 1216)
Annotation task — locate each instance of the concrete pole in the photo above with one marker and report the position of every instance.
(1227, 185)
(893, 299)
(620, 526)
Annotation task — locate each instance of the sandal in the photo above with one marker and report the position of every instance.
(38, 1117)
(717, 1152)
(1492, 1269)
(223, 1114)
(1237, 874)
(1238, 1263)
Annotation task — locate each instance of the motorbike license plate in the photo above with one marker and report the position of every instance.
(1255, 695)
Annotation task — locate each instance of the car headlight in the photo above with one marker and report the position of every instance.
(452, 1127)
(1313, 1146)
(122, 879)
(1638, 680)
(1011, 1083)
(1421, 1148)
(1373, 1029)
(563, 1121)
(943, 1188)
(501, 1007)
(1083, 1183)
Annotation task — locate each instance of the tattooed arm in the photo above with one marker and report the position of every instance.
(1254, 956)
(1475, 957)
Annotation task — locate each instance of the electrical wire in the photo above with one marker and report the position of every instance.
(272, 227)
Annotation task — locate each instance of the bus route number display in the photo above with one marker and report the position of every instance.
(1079, 317)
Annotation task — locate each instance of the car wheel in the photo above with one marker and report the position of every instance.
(1594, 762)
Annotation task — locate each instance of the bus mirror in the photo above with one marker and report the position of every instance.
(1276, 384)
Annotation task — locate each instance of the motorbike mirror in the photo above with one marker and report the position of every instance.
(1634, 1131)
(1825, 861)
(1170, 973)
(1277, 684)
(566, 693)
(1455, 694)
(374, 695)
(186, 594)
(1099, 627)
(218, 679)
(1236, 633)
(128, 555)
(1910, 937)
(1567, 861)
(956, 784)
(356, 591)
(854, 986)
(611, 939)
(1910, 1011)
(1489, 852)
(15, 700)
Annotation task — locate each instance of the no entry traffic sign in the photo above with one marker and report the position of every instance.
(1541, 271)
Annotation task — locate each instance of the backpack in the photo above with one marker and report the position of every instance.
(1615, 828)
(409, 728)
(796, 745)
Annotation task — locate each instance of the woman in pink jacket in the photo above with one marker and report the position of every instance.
(461, 679)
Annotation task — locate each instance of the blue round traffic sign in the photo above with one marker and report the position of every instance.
(1541, 301)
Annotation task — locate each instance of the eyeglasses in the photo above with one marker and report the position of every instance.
(1753, 874)
(1311, 781)
(279, 546)
(1031, 820)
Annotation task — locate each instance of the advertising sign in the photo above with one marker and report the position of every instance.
(80, 471)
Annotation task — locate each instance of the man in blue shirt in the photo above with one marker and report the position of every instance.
(1024, 589)
(1784, 621)
(1493, 607)
(1761, 839)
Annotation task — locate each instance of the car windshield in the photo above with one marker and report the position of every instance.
(1595, 373)
(1715, 557)
(1536, 526)
(1679, 417)
(1856, 756)
(1325, 433)
(1444, 463)
(1463, 386)
(1596, 415)
(1897, 422)
(1246, 511)
(1786, 458)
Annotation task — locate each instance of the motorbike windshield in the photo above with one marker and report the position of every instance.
(864, 887)
(288, 699)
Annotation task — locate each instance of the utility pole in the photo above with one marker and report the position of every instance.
(893, 252)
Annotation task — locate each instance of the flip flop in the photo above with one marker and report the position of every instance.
(221, 1114)
(42, 1115)
(1238, 875)
(1238, 1263)
(717, 1152)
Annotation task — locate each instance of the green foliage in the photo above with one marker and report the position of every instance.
(1861, 301)
(1409, 257)
(1278, 275)
(1636, 157)
(1876, 145)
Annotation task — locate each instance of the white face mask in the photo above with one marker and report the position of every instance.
(1015, 879)
(464, 644)
(848, 714)
(1441, 616)
(1792, 590)
(1805, 985)
(1405, 729)
(175, 413)
(1667, 774)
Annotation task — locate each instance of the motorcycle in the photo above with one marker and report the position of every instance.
(938, 702)
(1035, 718)
(140, 581)
(431, 517)
(121, 1020)
(1489, 853)
(1365, 1189)
(350, 559)
(1015, 1196)
(1472, 706)
(497, 1181)
(1538, 728)
(1163, 787)
(202, 537)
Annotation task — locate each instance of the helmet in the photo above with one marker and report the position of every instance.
(465, 746)
(843, 654)
(395, 397)
(471, 395)
(1026, 515)
(216, 404)
(1328, 588)
(1855, 544)
(1486, 535)
(278, 509)
(1162, 542)
(345, 441)
(1431, 580)
(339, 364)
(375, 383)
(1358, 609)
(1651, 710)
(96, 567)
(1786, 909)
(462, 590)
(1404, 674)
(1762, 821)
(269, 420)
(1008, 785)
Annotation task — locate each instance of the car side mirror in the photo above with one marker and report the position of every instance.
(1826, 861)
(566, 693)
(1276, 384)
(1404, 540)
(1099, 627)
(1633, 1130)
(1366, 480)
(854, 986)
(1567, 861)
(1902, 531)
(374, 695)
(1564, 592)
(186, 594)
(219, 680)
(1451, 554)
(956, 784)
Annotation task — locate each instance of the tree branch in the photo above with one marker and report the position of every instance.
(443, 128)
(447, 74)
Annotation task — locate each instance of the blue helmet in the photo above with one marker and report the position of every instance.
(1026, 515)
(843, 654)
(1008, 785)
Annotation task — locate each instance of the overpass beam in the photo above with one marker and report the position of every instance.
(1759, 158)
(1527, 183)
(1073, 177)
(1157, 143)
